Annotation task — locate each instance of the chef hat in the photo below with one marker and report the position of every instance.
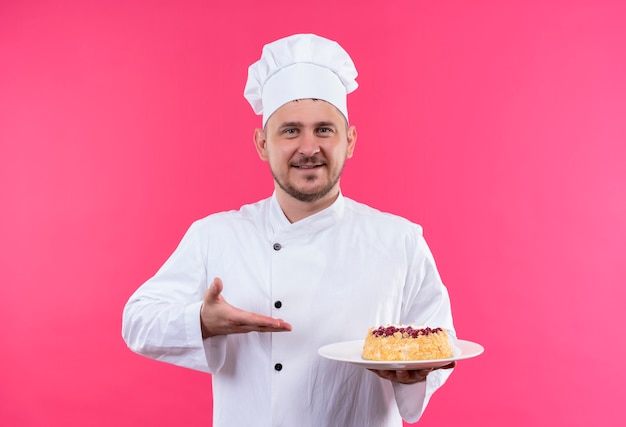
(298, 67)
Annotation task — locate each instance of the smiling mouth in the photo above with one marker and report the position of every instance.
(307, 166)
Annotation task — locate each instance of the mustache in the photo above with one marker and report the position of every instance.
(309, 160)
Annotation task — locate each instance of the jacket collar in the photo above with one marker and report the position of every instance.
(280, 225)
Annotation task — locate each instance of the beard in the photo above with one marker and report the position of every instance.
(310, 196)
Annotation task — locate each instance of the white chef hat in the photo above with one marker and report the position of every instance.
(298, 67)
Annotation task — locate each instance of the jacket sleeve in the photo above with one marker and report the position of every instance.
(426, 302)
(161, 320)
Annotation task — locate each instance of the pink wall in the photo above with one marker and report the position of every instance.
(499, 126)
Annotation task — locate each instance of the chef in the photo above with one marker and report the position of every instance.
(251, 295)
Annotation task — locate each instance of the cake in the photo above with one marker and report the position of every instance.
(406, 343)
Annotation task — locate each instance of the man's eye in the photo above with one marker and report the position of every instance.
(325, 130)
(290, 131)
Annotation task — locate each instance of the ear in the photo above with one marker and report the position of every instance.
(351, 137)
(260, 142)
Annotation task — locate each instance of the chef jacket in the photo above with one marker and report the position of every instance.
(331, 276)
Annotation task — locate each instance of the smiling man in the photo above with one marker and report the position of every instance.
(251, 295)
(306, 143)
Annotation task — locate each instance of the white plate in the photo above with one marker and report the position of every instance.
(350, 351)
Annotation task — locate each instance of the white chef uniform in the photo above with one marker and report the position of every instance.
(331, 276)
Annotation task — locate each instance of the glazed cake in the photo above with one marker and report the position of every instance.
(406, 343)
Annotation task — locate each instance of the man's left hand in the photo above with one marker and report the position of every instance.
(409, 377)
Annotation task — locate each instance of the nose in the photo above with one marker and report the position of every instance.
(309, 144)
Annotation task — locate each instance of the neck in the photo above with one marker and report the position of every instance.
(296, 210)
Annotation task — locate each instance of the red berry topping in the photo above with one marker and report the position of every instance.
(408, 331)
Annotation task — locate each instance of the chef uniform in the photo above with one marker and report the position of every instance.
(331, 275)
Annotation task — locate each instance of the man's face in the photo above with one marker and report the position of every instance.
(306, 143)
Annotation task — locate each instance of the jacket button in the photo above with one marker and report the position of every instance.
(278, 367)
(278, 304)
(277, 246)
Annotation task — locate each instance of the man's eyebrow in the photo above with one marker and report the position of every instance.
(301, 125)
(325, 124)
(291, 125)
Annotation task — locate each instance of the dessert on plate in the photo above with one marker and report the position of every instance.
(399, 342)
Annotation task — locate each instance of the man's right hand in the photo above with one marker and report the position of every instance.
(217, 317)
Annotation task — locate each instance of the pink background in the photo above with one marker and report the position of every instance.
(498, 126)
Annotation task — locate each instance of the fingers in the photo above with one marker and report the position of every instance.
(284, 325)
(403, 376)
(409, 376)
(217, 317)
(448, 366)
(257, 322)
(215, 289)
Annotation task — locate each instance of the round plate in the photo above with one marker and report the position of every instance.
(350, 351)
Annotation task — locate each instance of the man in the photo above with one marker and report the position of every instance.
(327, 265)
